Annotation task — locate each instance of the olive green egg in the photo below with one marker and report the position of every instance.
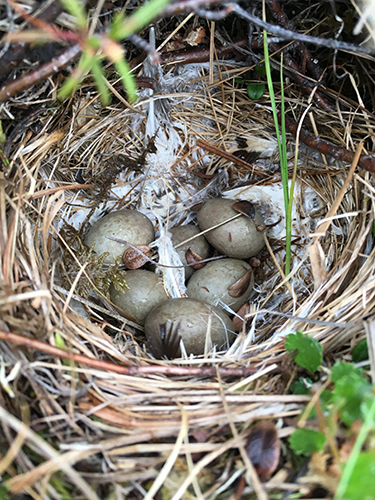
(128, 225)
(197, 324)
(216, 282)
(145, 291)
(199, 244)
(239, 238)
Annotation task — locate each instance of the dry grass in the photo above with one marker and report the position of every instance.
(90, 426)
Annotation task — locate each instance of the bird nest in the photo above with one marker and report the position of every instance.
(99, 408)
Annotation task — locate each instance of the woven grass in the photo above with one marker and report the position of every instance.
(96, 430)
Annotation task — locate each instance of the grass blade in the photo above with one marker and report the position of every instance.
(288, 196)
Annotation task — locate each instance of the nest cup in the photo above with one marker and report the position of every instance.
(53, 289)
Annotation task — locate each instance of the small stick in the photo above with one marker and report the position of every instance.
(285, 34)
(44, 71)
(183, 6)
(282, 20)
(365, 161)
(16, 52)
(201, 54)
(204, 371)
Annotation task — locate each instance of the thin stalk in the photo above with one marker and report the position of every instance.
(288, 196)
(283, 155)
(284, 175)
(366, 428)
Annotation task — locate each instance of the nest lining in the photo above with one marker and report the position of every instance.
(138, 409)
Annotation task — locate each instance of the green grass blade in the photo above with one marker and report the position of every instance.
(98, 74)
(270, 88)
(70, 85)
(284, 157)
(367, 426)
(127, 78)
(288, 197)
(124, 27)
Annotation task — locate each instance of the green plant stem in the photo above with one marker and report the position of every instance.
(98, 74)
(288, 197)
(127, 79)
(367, 425)
(84, 66)
(284, 162)
(284, 173)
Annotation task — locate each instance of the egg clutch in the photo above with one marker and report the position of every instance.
(214, 255)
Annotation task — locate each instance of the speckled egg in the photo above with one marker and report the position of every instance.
(196, 323)
(126, 224)
(145, 292)
(238, 238)
(228, 281)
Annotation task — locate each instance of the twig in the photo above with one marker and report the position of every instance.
(39, 23)
(201, 53)
(283, 21)
(306, 85)
(215, 15)
(189, 6)
(284, 34)
(324, 147)
(17, 52)
(204, 371)
(44, 71)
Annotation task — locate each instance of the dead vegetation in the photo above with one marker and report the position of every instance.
(75, 426)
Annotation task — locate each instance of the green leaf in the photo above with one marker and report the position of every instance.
(61, 486)
(309, 352)
(366, 428)
(256, 90)
(128, 79)
(59, 341)
(343, 369)
(124, 27)
(261, 70)
(301, 386)
(3, 137)
(4, 492)
(76, 9)
(360, 351)
(288, 195)
(362, 481)
(99, 78)
(351, 390)
(70, 85)
(305, 441)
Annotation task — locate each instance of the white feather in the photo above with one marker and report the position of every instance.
(174, 278)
